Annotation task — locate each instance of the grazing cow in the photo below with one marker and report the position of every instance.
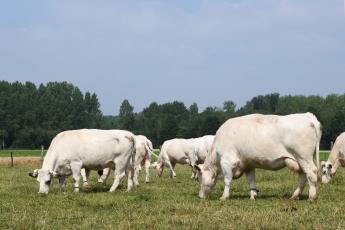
(202, 146)
(70, 151)
(335, 159)
(183, 151)
(263, 141)
(144, 150)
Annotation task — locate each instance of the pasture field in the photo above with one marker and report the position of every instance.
(169, 204)
(21, 153)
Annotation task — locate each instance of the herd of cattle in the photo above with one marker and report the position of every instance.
(240, 146)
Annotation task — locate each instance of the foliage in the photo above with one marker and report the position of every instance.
(30, 116)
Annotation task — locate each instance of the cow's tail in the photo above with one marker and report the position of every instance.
(149, 149)
(133, 153)
(318, 131)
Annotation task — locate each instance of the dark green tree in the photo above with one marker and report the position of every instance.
(126, 116)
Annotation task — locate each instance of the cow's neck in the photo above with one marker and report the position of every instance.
(211, 162)
(334, 157)
(49, 161)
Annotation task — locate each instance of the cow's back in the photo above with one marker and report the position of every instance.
(202, 146)
(338, 149)
(89, 145)
(178, 149)
(140, 142)
(266, 137)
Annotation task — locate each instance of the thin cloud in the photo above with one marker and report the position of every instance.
(202, 51)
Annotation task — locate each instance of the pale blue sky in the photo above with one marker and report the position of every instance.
(205, 51)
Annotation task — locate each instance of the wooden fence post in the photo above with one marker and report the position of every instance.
(11, 159)
(42, 155)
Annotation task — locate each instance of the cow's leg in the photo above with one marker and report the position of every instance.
(137, 168)
(171, 166)
(227, 170)
(119, 173)
(194, 175)
(85, 175)
(130, 172)
(76, 168)
(136, 174)
(302, 180)
(252, 184)
(62, 180)
(105, 174)
(192, 163)
(310, 170)
(147, 168)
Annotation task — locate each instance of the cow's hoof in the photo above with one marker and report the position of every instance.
(129, 188)
(312, 199)
(223, 198)
(294, 198)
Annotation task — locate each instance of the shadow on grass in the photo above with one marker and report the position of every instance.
(97, 188)
(259, 197)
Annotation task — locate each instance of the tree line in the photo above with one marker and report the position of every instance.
(30, 115)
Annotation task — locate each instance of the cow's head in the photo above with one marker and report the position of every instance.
(327, 171)
(207, 179)
(160, 168)
(44, 177)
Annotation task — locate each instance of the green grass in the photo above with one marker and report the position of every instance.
(20, 153)
(169, 204)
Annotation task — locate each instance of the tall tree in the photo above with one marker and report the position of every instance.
(126, 115)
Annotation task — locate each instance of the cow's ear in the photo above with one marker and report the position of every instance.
(323, 164)
(197, 168)
(54, 174)
(34, 173)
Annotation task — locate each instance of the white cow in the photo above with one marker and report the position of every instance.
(92, 149)
(202, 146)
(263, 141)
(335, 159)
(144, 150)
(183, 151)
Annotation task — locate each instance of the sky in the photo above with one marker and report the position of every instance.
(203, 51)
